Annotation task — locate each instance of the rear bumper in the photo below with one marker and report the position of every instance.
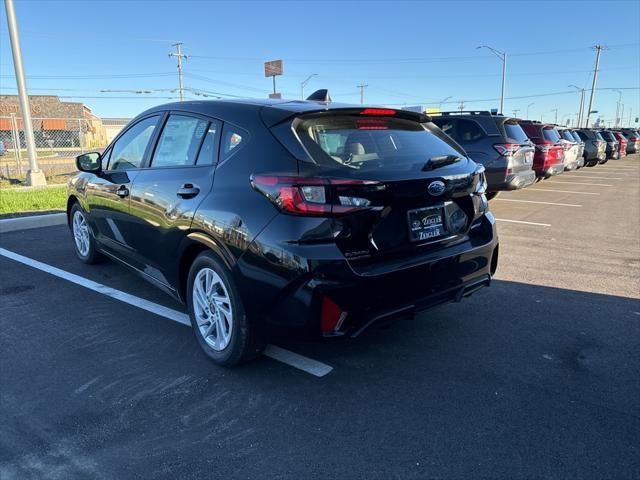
(514, 181)
(440, 276)
(551, 170)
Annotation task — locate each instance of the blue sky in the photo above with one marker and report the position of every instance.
(407, 52)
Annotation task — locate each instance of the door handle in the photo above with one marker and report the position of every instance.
(122, 191)
(188, 191)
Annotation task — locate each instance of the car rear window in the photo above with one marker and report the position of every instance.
(367, 143)
(576, 136)
(607, 136)
(566, 134)
(550, 134)
(514, 133)
(598, 136)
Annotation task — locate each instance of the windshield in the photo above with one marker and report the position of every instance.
(515, 133)
(550, 134)
(371, 143)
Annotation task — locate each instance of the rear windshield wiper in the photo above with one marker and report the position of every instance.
(440, 161)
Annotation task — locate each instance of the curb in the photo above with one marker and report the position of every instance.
(34, 221)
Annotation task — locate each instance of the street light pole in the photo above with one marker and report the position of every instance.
(618, 103)
(502, 56)
(34, 176)
(304, 84)
(532, 103)
(581, 108)
(442, 101)
(555, 110)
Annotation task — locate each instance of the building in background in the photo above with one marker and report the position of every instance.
(56, 124)
(113, 126)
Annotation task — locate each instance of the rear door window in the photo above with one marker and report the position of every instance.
(370, 143)
(233, 139)
(566, 134)
(514, 133)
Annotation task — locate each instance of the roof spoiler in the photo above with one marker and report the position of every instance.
(321, 96)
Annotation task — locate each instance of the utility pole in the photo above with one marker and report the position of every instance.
(599, 49)
(502, 56)
(555, 110)
(461, 106)
(34, 175)
(179, 55)
(527, 116)
(362, 87)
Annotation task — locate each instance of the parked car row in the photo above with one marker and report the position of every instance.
(517, 152)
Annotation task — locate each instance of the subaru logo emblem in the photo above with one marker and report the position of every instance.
(436, 188)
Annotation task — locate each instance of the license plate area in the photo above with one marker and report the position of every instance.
(426, 224)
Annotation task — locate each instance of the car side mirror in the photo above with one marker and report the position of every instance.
(89, 162)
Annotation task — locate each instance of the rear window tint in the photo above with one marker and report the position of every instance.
(550, 134)
(370, 143)
(607, 136)
(515, 133)
(576, 136)
(598, 136)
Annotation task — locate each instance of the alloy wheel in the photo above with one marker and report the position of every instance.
(212, 308)
(81, 234)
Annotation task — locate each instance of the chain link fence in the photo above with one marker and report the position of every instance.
(58, 141)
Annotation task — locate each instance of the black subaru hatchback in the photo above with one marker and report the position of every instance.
(306, 215)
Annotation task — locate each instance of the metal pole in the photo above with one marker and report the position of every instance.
(598, 48)
(304, 84)
(581, 112)
(504, 77)
(16, 143)
(80, 135)
(34, 174)
(532, 103)
(274, 83)
(362, 87)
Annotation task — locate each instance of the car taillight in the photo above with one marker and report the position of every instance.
(321, 197)
(634, 139)
(506, 149)
(543, 148)
(378, 111)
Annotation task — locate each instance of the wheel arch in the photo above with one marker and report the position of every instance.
(193, 245)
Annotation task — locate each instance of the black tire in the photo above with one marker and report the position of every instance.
(243, 344)
(91, 255)
(491, 195)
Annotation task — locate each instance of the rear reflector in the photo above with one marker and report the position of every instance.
(331, 315)
(378, 111)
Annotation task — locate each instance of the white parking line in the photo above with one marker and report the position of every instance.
(596, 178)
(552, 182)
(536, 189)
(533, 201)
(300, 362)
(525, 223)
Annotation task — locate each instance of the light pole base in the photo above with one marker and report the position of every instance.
(36, 179)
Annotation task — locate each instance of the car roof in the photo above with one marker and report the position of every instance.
(272, 111)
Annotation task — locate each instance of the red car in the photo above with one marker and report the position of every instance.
(622, 144)
(549, 156)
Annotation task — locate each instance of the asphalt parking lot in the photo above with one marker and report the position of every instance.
(535, 377)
